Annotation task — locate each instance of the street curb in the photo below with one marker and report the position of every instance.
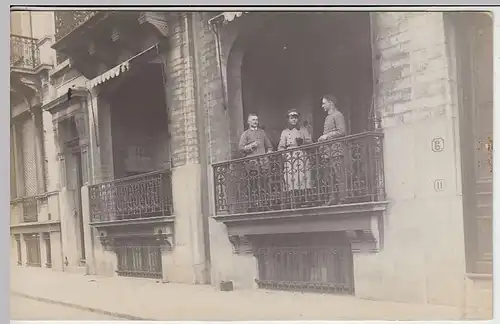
(83, 308)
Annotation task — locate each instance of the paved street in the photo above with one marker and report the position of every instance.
(152, 300)
(22, 309)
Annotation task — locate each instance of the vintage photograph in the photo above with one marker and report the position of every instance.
(251, 165)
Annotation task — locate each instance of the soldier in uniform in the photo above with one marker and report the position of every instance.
(334, 175)
(254, 141)
(296, 166)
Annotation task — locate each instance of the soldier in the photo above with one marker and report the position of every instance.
(296, 166)
(335, 174)
(334, 121)
(254, 141)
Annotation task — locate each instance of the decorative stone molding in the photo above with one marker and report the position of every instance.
(156, 20)
(164, 235)
(241, 244)
(106, 241)
(361, 222)
(366, 240)
(161, 230)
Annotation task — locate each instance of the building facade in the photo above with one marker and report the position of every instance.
(147, 110)
(35, 217)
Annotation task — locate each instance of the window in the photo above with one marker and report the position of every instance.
(33, 250)
(48, 251)
(24, 161)
(19, 253)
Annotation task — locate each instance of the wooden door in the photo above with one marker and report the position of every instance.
(482, 65)
(475, 51)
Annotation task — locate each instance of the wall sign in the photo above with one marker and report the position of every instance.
(439, 185)
(437, 144)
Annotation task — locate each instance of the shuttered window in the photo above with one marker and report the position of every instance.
(13, 169)
(29, 156)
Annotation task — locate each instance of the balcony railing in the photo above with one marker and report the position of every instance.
(67, 21)
(24, 52)
(30, 210)
(340, 171)
(138, 197)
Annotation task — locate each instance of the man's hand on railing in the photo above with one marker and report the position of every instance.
(322, 138)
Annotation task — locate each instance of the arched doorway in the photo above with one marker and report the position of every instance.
(293, 59)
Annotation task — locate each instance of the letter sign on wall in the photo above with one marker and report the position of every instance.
(437, 144)
(439, 185)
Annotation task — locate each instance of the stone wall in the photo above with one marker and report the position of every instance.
(422, 259)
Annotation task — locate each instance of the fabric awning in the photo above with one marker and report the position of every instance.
(120, 68)
(232, 15)
(110, 74)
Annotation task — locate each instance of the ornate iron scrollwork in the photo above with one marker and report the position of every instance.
(344, 170)
(67, 21)
(138, 197)
(24, 52)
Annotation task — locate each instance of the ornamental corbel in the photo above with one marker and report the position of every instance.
(164, 237)
(106, 241)
(241, 244)
(364, 241)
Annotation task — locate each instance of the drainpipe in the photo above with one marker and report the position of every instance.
(373, 119)
(213, 25)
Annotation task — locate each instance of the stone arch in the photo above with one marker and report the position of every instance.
(235, 39)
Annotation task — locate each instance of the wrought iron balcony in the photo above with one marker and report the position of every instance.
(67, 21)
(24, 52)
(30, 210)
(340, 171)
(138, 197)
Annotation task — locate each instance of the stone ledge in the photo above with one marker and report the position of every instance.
(362, 223)
(160, 228)
(50, 226)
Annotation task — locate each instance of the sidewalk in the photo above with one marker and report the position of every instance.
(152, 300)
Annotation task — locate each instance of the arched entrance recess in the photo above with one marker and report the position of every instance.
(276, 62)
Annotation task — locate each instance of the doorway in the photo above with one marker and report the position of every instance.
(475, 71)
(73, 133)
(295, 59)
(78, 199)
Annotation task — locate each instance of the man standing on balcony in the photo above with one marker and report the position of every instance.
(296, 166)
(335, 174)
(334, 121)
(254, 141)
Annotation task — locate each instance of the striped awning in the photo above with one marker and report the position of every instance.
(119, 69)
(110, 74)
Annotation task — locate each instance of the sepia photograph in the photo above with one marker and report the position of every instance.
(177, 164)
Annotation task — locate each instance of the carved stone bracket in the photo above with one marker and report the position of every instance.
(106, 241)
(241, 244)
(156, 20)
(367, 240)
(162, 234)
